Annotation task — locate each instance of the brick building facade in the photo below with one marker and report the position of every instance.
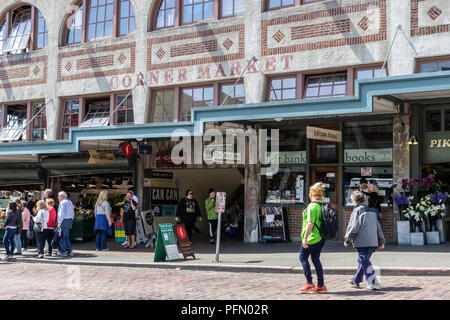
(299, 63)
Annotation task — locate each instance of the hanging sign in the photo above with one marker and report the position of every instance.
(323, 134)
(101, 157)
(220, 202)
(366, 172)
(166, 244)
(127, 149)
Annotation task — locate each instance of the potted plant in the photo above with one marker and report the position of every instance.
(416, 214)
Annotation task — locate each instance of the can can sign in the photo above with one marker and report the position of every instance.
(127, 149)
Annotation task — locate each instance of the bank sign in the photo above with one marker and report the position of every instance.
(435, 147)
(286, 157)
(367, 155)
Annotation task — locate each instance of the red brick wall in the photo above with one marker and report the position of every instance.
(295, 222)
(320, 29)
(95, 62)
(387, 223)
(193, 48)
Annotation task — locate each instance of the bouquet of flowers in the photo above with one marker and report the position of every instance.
(438, 201)
(415, 212)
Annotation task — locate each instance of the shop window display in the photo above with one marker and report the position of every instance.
(287, 186)
(381, 176)
(368, 142)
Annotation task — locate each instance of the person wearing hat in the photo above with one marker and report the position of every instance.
(210, 206)
(30, 204)
(187, 212)
(363, 185)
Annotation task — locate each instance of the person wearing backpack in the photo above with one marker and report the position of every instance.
(312, 241)
(364, 231)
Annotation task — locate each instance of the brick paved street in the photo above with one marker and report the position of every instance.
(31, 281)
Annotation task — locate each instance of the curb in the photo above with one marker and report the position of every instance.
(238, 268)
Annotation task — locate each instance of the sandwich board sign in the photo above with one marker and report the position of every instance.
(166, 244)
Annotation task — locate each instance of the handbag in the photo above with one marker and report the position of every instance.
(38, 226)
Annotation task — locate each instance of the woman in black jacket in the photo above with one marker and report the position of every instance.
(11, 224)
(187, 212)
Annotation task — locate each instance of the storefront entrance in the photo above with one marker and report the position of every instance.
(329, 177)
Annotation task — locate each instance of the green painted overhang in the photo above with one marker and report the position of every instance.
(362, 102)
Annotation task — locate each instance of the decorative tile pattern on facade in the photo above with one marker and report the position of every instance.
(429, 17)
(99, 62)
(25, 72)
(201, 47)
(342, 26)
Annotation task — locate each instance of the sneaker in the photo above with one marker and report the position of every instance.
(41, 256)
(124, 243)
(318, 289)
(17, 253)
(62, 255)
(97, 249)
(105, 249)
(354, 284)
(71, 254)
(306, 287)
(211, 241)
(373, 287)
(6, 258)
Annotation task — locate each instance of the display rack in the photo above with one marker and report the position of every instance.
(273, 223)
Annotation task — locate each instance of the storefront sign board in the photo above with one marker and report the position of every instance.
(101, 157)
(164, 195)
(323, 134)
(166, 244)
(162, 179)
(286, 157)
(435, 147)
(367, 155)
(220, 153)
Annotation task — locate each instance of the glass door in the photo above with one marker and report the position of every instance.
(329, 177)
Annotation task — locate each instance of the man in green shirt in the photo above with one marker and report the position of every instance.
(210, 205)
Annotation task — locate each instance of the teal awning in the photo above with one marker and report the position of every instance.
(362, 102)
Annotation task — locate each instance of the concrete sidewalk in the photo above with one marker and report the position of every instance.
(266, 257)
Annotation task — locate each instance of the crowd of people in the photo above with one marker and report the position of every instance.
(40, 220)
(48, 226)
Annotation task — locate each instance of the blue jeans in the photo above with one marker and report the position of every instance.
(314, 251)
(8, 240)
(100, 239)
(65, 246)
(18, 243)
(365, 266)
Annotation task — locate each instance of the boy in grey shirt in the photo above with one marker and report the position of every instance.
(364, 231)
